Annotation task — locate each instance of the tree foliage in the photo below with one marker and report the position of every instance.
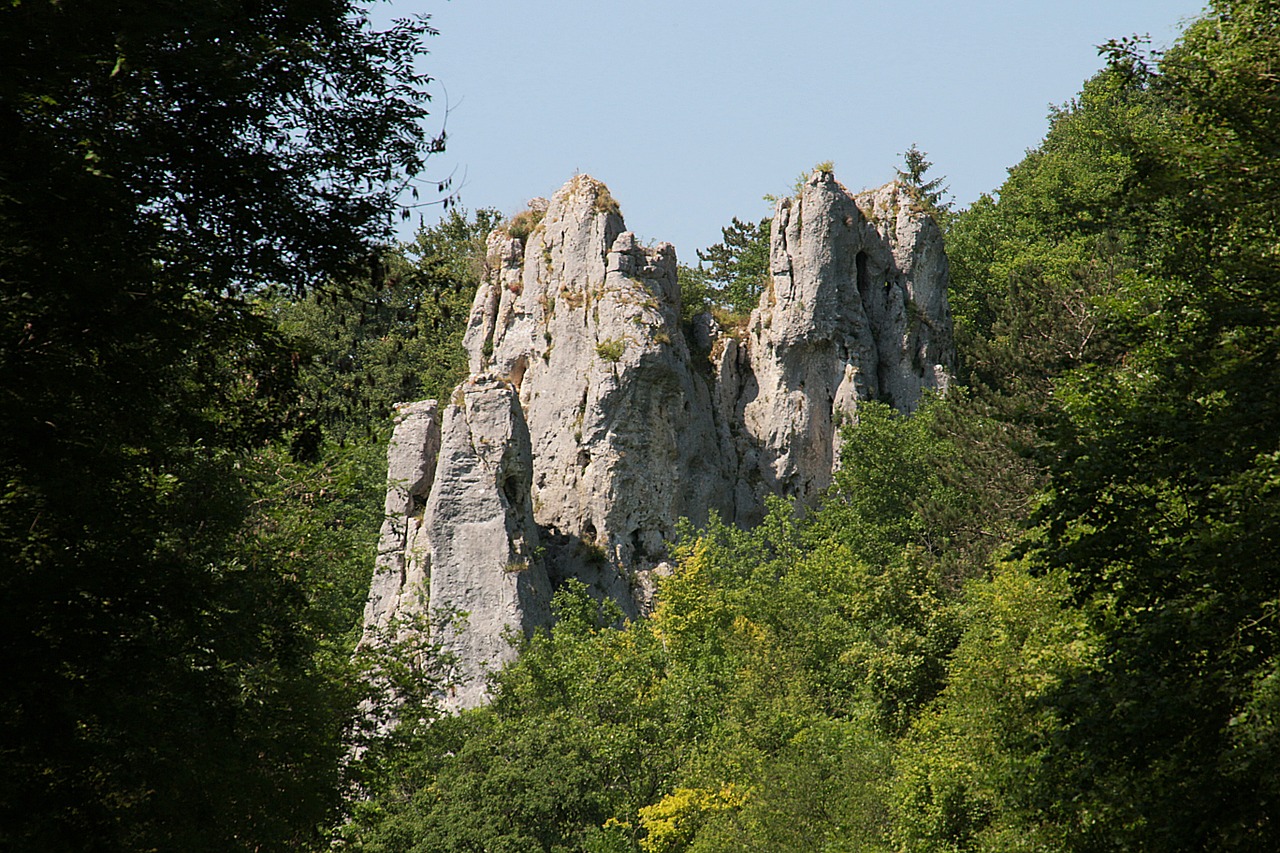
(1039, 614)
(161, 163)
(1148, 337)
(1164, 516)
(932, 192)
(738, 268)
(367, 344)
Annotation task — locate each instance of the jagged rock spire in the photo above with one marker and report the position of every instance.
(856, 309)
(591, 425)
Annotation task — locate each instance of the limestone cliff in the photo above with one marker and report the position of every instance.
(487, 577)
(585, 324)
(591, 424)
(856, 309)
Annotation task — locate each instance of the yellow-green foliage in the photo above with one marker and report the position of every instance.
(522, 224)
(611, 349)
(672, 822)
(734, 323)
(1022, 639)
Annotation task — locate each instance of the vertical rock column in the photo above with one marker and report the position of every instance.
(910, 314)
(489, 582)
(856, 309)
(402, 565)
(585, 323)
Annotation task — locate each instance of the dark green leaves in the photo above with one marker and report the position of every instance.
(162, 161)
(738, 268)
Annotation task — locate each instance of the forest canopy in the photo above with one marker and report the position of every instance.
(165, 166)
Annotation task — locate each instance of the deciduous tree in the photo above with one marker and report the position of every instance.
(162, 161)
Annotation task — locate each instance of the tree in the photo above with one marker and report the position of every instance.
(372, 343)
(1164, 512)
(695, 291)
(1124, 309)
(931, 192)
(883, 512)
(739, 267)
(965, 775)
(161, 162)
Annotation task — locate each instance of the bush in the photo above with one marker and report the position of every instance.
(611, 349)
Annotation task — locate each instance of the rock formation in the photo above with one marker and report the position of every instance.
(592, 423)
(397, 592)
(487, 576)
(856, 309)
(585, 324)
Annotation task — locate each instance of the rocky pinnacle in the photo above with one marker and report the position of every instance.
(594, 419)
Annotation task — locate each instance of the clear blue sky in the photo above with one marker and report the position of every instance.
(691, 111)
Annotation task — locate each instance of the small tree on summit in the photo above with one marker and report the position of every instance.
(930, 192)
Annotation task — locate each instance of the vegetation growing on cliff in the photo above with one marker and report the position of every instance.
(737, 269)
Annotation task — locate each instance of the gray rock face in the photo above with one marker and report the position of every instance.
(586, 324)
(856, 310)
(402, 565)
(489, 581)
(591, 424)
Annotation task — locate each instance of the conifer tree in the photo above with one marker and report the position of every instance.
(931, 192)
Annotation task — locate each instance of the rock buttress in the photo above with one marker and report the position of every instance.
(586, 324)
(402, 565)
(489, 585)
(856, 309)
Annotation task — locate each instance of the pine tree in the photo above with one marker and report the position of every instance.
(931, 192)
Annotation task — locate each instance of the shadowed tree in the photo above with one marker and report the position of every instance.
(162, 163)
